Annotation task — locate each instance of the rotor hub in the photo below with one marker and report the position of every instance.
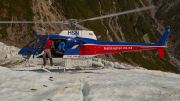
(72, 24)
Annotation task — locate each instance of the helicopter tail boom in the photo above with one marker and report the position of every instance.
(105, 47)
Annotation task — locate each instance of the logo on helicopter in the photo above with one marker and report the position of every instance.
(73, 32)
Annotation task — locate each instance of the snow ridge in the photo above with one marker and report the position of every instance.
(7, 51)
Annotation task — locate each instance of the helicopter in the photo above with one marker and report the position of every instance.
(81, 45)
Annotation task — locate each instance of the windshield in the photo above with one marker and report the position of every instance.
(73, 44)
(33, 44)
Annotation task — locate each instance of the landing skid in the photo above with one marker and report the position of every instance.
(66, 63)
(45, 69)
(70, 62)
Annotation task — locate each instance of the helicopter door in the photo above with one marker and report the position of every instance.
(40, 49)
(72, 48)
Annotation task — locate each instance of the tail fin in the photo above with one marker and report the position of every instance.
(162, 42)
(161, 52)
(164, 37)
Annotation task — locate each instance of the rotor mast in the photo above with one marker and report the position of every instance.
(72, 24)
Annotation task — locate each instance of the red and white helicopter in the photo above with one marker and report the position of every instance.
(83, 44)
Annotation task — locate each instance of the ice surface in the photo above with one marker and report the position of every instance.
(97, 85)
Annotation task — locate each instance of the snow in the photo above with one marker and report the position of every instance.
(34, 84)
(111, 82)
(9, 57)
(7, 51)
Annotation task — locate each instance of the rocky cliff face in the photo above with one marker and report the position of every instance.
(168, 14)
(127, 28)
(32, 10)
(43, 11)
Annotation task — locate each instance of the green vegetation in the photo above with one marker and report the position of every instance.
(121, 57)
(158, 2)
(3, 32)
(16, 8)
(147, 59)
(106, 23)
(78, 9)
(19, 10)
(139, 3)
(171, 17)
(119, 34)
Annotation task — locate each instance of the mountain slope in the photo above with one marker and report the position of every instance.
(168, 13)
(20, 10)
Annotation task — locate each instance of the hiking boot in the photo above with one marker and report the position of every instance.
(51, 62)
(44, 62)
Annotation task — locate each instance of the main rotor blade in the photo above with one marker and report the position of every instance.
(120, 13)
(82, 27)
(63, 22)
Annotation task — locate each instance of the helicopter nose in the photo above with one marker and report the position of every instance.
(24, 53)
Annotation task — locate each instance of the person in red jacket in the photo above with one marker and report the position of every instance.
(47, 51)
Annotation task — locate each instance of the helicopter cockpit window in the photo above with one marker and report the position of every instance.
(43, 42)
(40, 48)
(73, 44)
(33, 44)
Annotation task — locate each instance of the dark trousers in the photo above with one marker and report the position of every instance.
(57, 52)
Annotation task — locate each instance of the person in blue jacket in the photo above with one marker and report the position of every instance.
(61, 46)
(61, 49)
